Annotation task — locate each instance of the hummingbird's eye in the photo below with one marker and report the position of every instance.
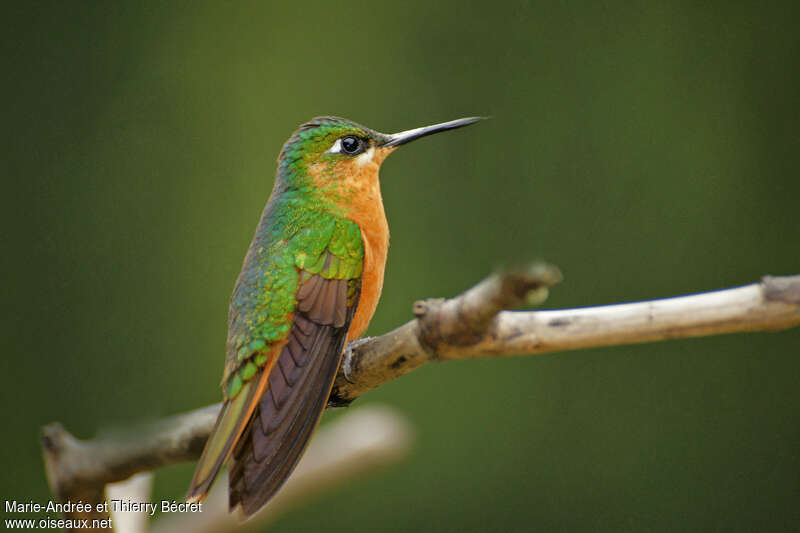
(351, 145)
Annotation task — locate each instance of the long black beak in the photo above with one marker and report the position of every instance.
(396, 139)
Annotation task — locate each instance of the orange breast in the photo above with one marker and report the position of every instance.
(366, 210)
(375, 250)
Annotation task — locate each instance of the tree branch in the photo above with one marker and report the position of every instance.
(468, 326)
(464, 328)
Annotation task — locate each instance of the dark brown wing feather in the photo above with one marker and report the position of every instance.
(296, 395)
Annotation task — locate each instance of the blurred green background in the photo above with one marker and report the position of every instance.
(649, 149)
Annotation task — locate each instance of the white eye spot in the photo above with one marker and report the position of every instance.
(366, 157)
(336, 148)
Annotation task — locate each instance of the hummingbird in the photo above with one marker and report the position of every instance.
(309, 284)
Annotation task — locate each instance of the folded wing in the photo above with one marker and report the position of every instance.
(296, 392)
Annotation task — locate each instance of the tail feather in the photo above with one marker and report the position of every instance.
(231, 422)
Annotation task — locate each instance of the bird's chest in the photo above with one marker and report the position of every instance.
(371, 219)
(376, 247)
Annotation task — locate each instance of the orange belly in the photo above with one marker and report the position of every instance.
(376, 247)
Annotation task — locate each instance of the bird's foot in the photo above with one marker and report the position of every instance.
(347, 358)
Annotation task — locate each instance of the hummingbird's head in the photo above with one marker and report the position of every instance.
(340, 159)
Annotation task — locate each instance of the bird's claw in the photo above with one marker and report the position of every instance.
(347, 358)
